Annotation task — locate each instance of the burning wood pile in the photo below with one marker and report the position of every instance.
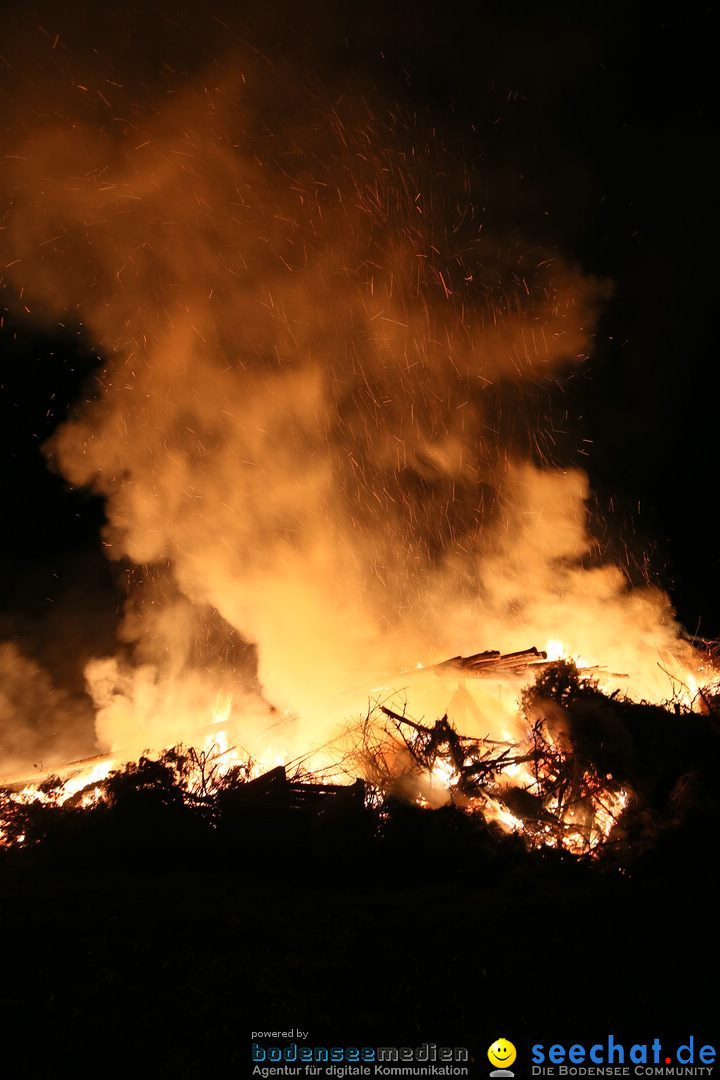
(491, 664)
(504, 667)
(590, 775)
(539, 787)
(590, 770)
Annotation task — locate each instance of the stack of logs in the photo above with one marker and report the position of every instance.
(491, 664)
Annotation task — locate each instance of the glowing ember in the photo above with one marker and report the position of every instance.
(301, 435)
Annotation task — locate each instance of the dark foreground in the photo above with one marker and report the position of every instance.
(166, 969)
(154, 933)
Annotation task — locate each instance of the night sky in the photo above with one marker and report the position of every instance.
(596, 127)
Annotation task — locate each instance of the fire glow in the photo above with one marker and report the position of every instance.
(563, 802)
(319, 431)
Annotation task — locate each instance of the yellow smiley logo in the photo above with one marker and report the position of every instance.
(502, 1053)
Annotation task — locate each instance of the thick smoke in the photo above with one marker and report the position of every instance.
(34, 713)
(322, 402)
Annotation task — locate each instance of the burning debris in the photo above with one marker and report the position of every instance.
(592, 775)
(545, 785)
(324, 444)
(588, 764)
(491, 664)
(319, 401)
(328, 432)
